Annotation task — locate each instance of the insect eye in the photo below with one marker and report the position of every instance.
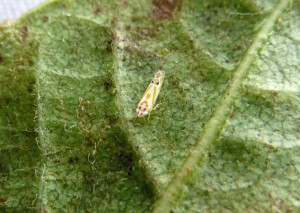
(152, 82)
(157, 83)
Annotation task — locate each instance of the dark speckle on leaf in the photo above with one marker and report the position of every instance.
(125, 3)
(24, 31)
(2, 201)
(237, 47)
(107, 85)
(45, 18)
(57, 161)
(130, 171)
(73, 160)
(89, 140)
(30, 89)
(164, 9)
(109, 45)
(97, 10)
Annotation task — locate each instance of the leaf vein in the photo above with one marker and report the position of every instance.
(216, 123)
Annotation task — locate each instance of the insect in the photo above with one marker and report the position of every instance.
(148, 100)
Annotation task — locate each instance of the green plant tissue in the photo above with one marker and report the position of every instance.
(224, 138)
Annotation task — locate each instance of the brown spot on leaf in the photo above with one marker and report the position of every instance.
(45, 18)
(24, 31)
(2, 201)
(90, 140)
(147, 32)
(128, 27)
(43, 211)
(237, 47)
(164, 9)
(125, 4)
(97, 10)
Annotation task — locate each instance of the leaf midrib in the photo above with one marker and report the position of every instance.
(216, 123)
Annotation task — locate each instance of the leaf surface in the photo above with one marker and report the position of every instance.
(225, 136)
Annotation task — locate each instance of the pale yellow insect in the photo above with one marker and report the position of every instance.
(149, 98)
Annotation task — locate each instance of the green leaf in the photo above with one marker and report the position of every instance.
(225, 136)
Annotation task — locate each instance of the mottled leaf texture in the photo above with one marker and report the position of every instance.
(224, 138)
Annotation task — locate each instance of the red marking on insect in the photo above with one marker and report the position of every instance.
(148, 100)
